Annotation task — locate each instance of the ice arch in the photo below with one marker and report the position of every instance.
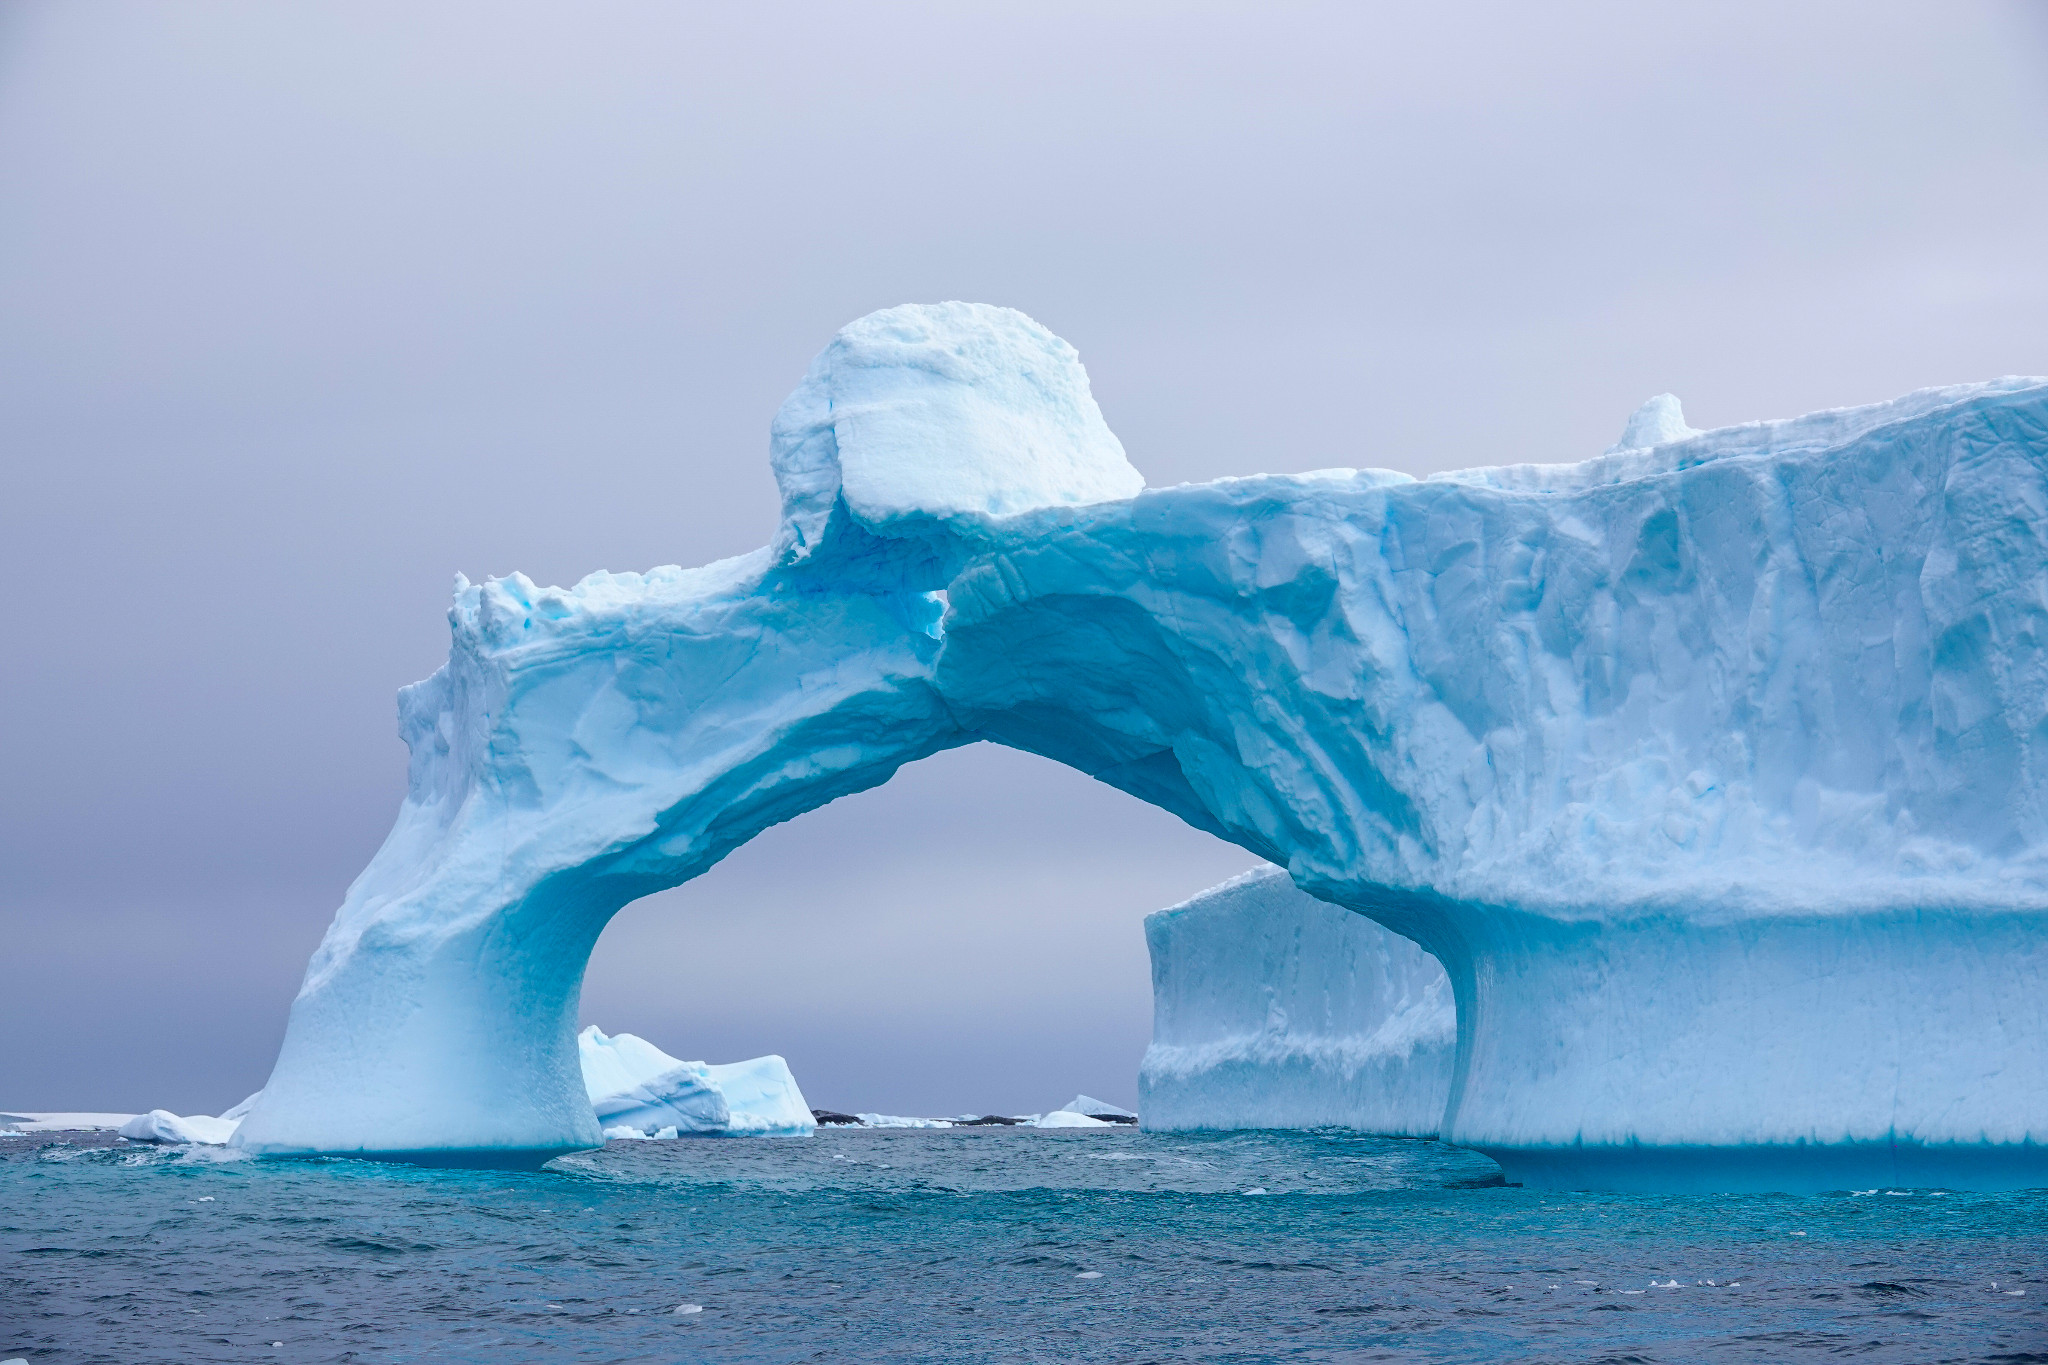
(1713, 772)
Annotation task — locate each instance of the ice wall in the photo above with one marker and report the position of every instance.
(1713, 770)
(1272, 1009)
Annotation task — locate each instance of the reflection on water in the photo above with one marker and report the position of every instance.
(985, 1245)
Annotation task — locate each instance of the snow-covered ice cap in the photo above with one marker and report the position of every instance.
(941, 410)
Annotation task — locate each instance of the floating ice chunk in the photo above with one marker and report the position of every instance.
(633, 1084)
(1067, 1118)
(161, 1125)
(1098, 1109)
(158, 1125)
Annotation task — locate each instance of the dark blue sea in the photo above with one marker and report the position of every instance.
(971, 1245)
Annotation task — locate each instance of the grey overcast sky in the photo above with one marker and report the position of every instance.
(305, 307)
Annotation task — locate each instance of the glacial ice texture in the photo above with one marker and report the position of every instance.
(1712, 770)
(1272, 1009)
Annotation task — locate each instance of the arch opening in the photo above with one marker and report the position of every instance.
(965, 938)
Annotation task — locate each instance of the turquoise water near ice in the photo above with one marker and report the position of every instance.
(976, 1245)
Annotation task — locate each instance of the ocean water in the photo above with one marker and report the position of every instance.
(985, 1245)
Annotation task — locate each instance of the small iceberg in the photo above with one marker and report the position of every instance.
(639, 1091)
(161, 1125)
(1098, 1109)
(1085, 1111)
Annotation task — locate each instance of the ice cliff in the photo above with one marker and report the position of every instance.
(1272, 1009)
(1714, 770)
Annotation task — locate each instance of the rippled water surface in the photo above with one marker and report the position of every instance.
(985, 1245)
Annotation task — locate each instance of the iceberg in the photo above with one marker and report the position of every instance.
(1100, 1109)
(161, 1125)
(1272, 1009)
(1082, 1111)
(637, 1090)
(763, 1099)
(1713, 770)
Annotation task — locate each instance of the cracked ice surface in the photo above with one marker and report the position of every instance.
(1712, 769)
